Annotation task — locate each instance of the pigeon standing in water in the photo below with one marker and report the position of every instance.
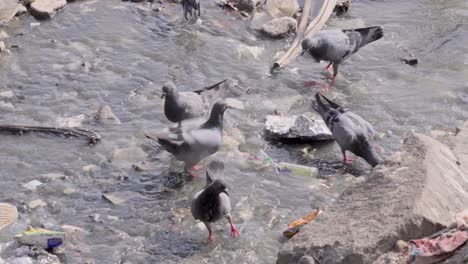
(191, 145)
(213, 204)
(189, 5)
(350, 131)
(179, 106)
(337, 45)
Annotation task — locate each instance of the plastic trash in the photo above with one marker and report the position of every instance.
(40, 237)
(295, 226)
(300, 170)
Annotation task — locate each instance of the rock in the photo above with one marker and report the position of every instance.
(3, 35)
(249, 52)
(54, 176)
(73, 121)
(105, 115)
(7, 94)
(342, 6)
(260, 19)
(7, 106)
(306, 127)
(281, 8)
(116, 198)
(36, 203)
(68, 191)
(247, 5)
(401, 246)
(2, 46)
(72, 229)
(306, 260)
(112, 217)
(90, 168)
(21, 10)
(280, 27)
(45, 9)
(410, 195)
(20, 260)
(234, 103)
(8, 9)
(133, 155)
(32, 185)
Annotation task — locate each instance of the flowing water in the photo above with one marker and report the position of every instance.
(131, 51)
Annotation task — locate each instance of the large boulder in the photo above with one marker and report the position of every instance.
(8, 10)
(280, 27)
(413, 194)
(45, 9)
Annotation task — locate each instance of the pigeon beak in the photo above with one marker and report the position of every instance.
(163, 95)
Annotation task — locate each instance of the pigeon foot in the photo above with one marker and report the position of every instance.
(234, 231)
(347, 160)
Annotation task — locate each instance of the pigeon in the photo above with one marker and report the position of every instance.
(350, 131)
(179, 106)
(212, 204)
(191, 145)
(188, 5)
(338, 45)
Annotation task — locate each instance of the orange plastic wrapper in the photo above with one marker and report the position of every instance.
(295, 226)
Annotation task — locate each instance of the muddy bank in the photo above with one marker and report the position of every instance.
(413, 194)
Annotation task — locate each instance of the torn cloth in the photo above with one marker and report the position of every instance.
(438, 246)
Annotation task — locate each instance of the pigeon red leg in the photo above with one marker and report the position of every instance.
(196, 168)
(192, 174)
(346, 159)
(328, 66)
(234, 231)
(210, 232)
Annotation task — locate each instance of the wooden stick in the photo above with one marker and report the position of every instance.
(69, 132)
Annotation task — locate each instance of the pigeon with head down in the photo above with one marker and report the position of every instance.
(338, 45)
(351, 132)
(194, 143)
(213, 203)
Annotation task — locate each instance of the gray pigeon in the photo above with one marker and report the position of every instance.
(188, 5)
(180, 106)
(191, 145)
(212, 204)
(337, 45)
(350, 131)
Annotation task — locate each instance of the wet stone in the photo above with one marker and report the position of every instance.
(115, 198)
(105, 115)
(32, 185)
(8, 9)
(45, 9)
(306, 127)
(7, 94)
(3, 35)
(21, 10)
(2, 46)
(36, 203)
(280, 27)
